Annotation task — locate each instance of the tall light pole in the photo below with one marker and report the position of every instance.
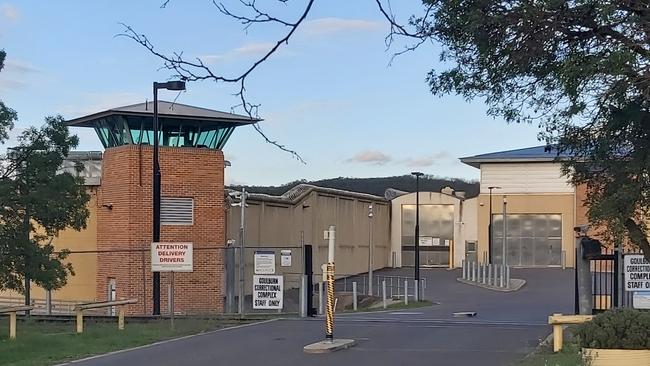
(170, 85)
(490, 223)
(370, 264)
(417, 230)
(505, 229)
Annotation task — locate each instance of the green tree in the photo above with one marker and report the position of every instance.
(37, 201)
(581, 69)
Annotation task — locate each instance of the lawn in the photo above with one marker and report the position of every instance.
(569, 356)
(48, 343)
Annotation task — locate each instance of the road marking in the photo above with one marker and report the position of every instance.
(406, 313)
(164, 342)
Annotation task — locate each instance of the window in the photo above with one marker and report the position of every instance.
(176, 211)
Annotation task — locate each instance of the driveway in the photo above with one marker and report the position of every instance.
(508, 326)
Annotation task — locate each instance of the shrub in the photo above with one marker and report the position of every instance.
(616, 329)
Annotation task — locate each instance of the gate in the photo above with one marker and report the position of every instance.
(605, 285)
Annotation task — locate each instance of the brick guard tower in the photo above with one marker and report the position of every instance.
(192, 209)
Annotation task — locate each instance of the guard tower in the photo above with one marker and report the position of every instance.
(191, 140)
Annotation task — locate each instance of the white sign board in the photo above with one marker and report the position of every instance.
(426, 241)
(637, 273)
(171, 257)
(267, 292)
(264, 262)
(285, 258)
(641, 300)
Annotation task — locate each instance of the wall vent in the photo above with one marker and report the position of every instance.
(176, 211)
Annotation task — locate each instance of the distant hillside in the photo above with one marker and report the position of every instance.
(376, 186)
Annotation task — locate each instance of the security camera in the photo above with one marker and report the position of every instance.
(582, 229)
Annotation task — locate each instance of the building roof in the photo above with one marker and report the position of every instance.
(297, 193)
(543, 153)
(166, 110)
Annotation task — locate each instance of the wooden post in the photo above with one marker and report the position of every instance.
(557, 337)
(80, 321)
(12, 325)
(120, 318)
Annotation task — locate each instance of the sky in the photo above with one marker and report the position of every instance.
(332, 93)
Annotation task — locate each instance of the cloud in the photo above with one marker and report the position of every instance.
(9, 12)
(14, 73)
(19, 67)
(373, 157)
(427, 160)
(93, 103)
(324, 26)
(247, 50)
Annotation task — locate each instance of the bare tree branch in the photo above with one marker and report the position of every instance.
(420, 34)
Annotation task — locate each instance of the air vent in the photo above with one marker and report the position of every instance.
(176, 211)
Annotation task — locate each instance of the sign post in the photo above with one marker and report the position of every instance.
(172, 257)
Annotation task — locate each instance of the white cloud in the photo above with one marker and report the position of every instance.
(14, 73)
(9, 12)
(373, 157)
(428, 160)
(247, 50)
(324, 26)
(93, 103)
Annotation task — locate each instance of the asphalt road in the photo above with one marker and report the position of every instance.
(508, 326)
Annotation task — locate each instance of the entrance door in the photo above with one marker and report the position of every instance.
(436, 234)
(531, 240)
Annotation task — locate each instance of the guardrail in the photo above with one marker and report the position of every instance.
(79, 309)
(558, 320)
(12, 310)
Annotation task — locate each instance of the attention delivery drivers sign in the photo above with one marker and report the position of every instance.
(171, 257)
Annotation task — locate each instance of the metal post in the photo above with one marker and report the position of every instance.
(495, 268)
(507, 276)
(484, 273)
(406, 292)
(462, 266)
(171, 305)
(370, 254)
(303, 296)
(416, 291)
(320, 298)
(354, 296)
(417, 224)
(48, 302)
(329, 319)
(423, 286)
(564, 259)
(169, 298)
(383, 293)
(242, 261)
(489, 280)
(156, 198)
(505, 232)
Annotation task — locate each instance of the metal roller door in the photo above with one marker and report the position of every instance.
(531, 240)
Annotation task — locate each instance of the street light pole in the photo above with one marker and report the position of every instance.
(505, 228)
(170, 85)
(417, 231)
(490, 223)
(370, 264)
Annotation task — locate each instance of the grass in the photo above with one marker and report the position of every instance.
(569, 356)
(46, 343)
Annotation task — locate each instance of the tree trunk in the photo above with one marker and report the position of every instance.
(638, 237)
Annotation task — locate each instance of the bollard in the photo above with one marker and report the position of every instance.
(495, 268)
(406, 292)
(502, 274)
(462, 265)
(564, 259)
(320, 298)
(489, 281)
(484, 273)
(472, 272)
(423, 285)
(354, 296)
(507, 276)
(416, 293)
(383, 293)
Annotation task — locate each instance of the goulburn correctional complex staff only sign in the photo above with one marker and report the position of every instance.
(267, 292)
(172, 257)
(637, 273)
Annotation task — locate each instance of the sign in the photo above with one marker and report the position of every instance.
(637, 273)
(285, 258)
(641, 300)
(426, 241)
(264, 262)
(436, 241)
(447, 242)
(267, 292)
(171, 257)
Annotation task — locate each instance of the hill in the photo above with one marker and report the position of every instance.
(376, 186)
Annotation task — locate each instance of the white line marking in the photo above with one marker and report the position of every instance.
(406, 313)
(164, 342)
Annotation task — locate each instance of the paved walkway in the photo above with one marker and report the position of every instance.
(507, 327)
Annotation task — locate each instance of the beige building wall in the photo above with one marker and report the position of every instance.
(464, 222)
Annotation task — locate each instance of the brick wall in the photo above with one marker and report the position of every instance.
(124, 231)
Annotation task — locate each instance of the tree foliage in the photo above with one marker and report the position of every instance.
(578, 68)
(37, 201)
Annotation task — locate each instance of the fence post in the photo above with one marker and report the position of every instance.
(320, 298)
(406, 292)
(120, 318)
(354, 295)
(80, 321)
(383, 292)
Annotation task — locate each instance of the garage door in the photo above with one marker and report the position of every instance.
(531, 239)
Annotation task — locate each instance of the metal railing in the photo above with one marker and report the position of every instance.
(488, 274)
